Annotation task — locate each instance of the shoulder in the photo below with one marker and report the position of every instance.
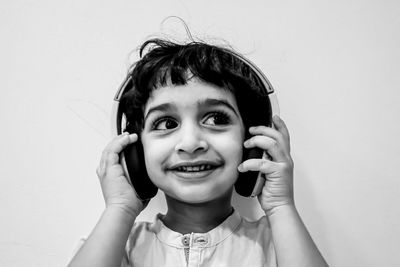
(252, 243)
(257, 234)
(142, 232)
(255, 229)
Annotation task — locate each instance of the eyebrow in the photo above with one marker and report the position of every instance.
(216, 102)
(203, 102)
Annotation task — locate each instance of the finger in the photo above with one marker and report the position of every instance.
(263, 165)
(111, 153)
(267, 131)
(281, 127)
(273, 147)
(272, 133)
(120, 142)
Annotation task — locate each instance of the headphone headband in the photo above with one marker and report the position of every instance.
(116, 116)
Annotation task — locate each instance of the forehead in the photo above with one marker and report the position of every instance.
(188, 95)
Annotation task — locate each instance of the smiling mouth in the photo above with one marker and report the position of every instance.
(195, 169)
(198, 168)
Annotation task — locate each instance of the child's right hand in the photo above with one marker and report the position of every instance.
(117, 192)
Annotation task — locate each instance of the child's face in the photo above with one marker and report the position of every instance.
(193, 141)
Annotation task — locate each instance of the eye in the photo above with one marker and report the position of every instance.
(164, 124)
(217, 118)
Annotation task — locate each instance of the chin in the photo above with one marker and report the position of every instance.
(196, 191)
(199, 196)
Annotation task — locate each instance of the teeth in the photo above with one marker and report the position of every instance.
(194, 168)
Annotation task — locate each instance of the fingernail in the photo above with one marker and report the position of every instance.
(240, 167)
(131, 136)
(276, 119)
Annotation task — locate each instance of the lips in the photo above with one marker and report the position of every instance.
(195, 166)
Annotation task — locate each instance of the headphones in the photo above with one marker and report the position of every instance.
(248, 184)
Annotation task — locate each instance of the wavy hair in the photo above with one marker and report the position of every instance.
(164, 62)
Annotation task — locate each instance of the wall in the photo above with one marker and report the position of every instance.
(334, 65)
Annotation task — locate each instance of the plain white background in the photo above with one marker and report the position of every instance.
(335, 67)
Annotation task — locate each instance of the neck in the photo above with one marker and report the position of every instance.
(186, 218)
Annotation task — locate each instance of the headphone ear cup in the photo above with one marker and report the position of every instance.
(246, 181)
(137, 173)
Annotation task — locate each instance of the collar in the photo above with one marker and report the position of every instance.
(211, 238)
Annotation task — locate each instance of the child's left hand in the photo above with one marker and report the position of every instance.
(278, 170)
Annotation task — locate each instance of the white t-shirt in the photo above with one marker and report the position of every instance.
(235, 242)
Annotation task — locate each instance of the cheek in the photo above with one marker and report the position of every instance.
(231, 146)
(155, 152)
(152, 157)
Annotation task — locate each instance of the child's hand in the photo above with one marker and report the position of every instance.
(117, 191)
(278, 170)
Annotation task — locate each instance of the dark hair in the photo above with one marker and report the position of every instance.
(169, 63)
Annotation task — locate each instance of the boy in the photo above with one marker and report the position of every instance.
(189, 107)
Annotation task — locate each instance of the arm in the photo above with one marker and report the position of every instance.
(293, 244)
(106, 244)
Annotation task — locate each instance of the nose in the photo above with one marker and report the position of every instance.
(191, 139)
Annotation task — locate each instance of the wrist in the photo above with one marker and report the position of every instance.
(122, 211)
(130, 205)
(283, 207)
